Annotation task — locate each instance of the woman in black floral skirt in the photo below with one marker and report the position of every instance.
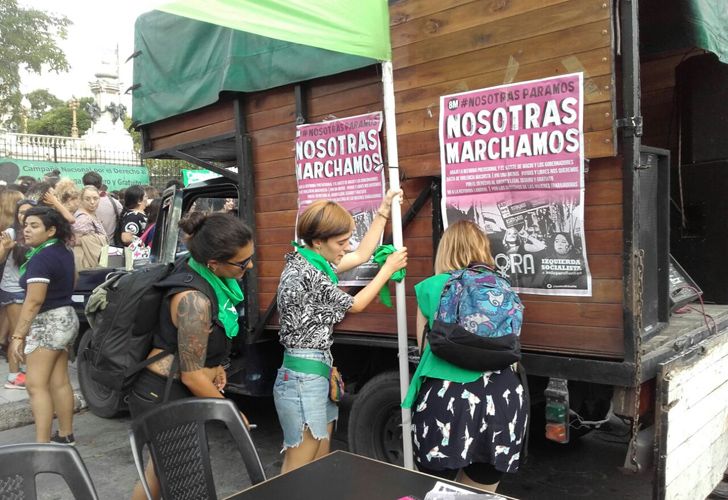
(469, 426)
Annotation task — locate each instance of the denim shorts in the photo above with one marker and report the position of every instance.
(302, 400)
(7, 298)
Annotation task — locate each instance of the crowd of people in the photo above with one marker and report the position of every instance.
(51, 229)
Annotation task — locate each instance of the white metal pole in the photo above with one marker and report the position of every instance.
(393, 163)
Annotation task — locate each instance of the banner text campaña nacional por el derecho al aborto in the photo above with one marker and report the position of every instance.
(513, 162)
(341, 160)
(114, 176)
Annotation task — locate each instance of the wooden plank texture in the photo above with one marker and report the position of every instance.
(693, 416)
(442, 47)
(482, 34)
(458, 18)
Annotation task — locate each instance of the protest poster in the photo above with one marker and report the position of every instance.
(341, 160)
(512, 160)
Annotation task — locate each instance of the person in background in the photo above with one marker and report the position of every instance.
(174, 182)
(152, 211)
(151, 192)
(12, 295)
(109, 209)
(467, 425)
(309, 305)
(90, 239)
(133, 218)
(9, 198)
(52, 177)
(24, 183)
(68, 194)
(44, 194)
(197, 325)
(48, 324)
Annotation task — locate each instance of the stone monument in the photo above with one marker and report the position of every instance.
(107, 112)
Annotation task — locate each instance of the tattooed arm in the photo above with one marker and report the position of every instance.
(192, 314)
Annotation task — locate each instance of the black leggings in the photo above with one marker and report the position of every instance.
(480, 473)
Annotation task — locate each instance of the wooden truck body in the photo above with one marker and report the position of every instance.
(610, 349)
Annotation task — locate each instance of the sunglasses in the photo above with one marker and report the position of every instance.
(244, 264)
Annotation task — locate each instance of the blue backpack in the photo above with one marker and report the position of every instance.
(482, 302)
(478, 321)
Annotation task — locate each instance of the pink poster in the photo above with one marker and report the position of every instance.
(341, 160)
(512, 161)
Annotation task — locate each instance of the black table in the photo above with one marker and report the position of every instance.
(345, 476)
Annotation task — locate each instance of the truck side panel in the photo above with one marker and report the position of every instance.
(442, 47)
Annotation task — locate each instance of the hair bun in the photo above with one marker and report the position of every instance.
(192, 222)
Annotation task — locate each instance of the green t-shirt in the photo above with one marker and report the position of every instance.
(428, 293)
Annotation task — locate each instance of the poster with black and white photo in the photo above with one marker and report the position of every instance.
(341, 160)
(512, 160)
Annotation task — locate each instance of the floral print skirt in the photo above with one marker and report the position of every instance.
(55, 329)
(457, 424)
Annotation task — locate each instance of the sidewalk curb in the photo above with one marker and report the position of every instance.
(18, 413)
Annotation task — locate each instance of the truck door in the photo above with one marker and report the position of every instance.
(692, 420)
(164, 247)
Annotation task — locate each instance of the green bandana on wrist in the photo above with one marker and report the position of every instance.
(34, 251)
(228, 293)
(317, 261)
(380, 257)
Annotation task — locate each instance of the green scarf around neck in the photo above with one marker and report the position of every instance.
(228, 293)
(34, 251)
(317, 261)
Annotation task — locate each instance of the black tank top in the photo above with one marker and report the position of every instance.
(183, 279)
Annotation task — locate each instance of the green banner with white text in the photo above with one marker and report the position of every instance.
(114, 176)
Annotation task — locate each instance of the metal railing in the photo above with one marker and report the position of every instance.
(61, 149)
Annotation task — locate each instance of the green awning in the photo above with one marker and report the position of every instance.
(681, 24)
(357, 27)
(193, 50)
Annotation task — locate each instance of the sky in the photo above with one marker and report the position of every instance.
(98, 26)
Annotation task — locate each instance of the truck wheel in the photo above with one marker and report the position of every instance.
(375, 422)
(102, 401)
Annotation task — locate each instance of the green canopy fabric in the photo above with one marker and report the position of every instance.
(190, 51)
(681, 24)
(358, 27)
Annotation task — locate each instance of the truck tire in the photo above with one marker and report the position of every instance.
(375, 422)
(102, 401)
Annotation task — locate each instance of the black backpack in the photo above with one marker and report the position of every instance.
(124, 315)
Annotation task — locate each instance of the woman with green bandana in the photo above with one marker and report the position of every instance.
(47, 324)
(309, 305)
(198, 319)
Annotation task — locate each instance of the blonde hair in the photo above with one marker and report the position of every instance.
(66, 191)
(9, 199)
(322, 220)
(462, 244)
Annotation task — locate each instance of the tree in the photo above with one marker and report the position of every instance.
(57, 120)
(28, 39)
(42, 101)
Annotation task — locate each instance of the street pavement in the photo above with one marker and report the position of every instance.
(586, 469)
(14, 403)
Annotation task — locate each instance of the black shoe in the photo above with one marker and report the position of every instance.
(63, 439)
